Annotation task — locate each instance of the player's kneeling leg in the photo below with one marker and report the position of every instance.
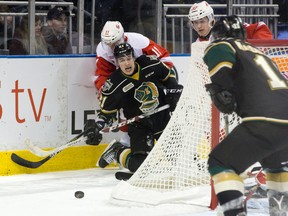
(135, 161)
(142, 141)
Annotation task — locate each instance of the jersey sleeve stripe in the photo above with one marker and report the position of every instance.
(222, 43)
(108, 111)
(219, 66)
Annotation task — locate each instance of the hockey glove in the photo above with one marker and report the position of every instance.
(92, 131)
(223, 99)
(172, 96)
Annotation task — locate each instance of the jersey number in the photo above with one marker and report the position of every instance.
(274, 81)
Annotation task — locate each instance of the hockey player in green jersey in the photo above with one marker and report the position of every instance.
(248, 82)
(138, 86)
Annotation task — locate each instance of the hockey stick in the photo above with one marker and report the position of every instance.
(136, 118)
(30, 164)
(43, 153)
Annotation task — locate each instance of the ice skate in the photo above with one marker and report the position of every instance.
(110, 154)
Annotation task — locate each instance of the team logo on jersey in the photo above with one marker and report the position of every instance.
(147, 94)
(107, 85)
(128, 87)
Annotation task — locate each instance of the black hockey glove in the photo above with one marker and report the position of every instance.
(223, 99)
(92, 131)
(172, 96)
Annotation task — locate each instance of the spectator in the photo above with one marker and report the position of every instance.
(19, 45)
(55, 33)
(9, 22)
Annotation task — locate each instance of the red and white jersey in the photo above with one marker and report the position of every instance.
(105, 61)
(258, 30)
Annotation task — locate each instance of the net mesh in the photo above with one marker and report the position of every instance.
(176, 168)
(178, 161)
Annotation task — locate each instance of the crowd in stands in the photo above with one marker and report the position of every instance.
(135, 16)
(19, 44)
(50, 38)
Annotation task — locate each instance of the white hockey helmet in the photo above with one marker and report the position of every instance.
(112, 32)
(201, 10)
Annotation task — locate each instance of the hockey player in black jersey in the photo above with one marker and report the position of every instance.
(137, 86)
(248, 82)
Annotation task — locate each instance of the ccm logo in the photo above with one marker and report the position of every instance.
(173, 91)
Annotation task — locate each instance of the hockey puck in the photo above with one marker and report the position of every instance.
(79, 194)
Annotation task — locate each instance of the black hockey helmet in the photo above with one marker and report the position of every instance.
(123, 49)
(229, 26)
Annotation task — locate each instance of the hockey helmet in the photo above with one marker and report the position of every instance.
(112, 32)
(229, 26)
(201, 10)
(123, 49)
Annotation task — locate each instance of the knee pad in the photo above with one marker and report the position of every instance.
(141, 139)
(135, 161)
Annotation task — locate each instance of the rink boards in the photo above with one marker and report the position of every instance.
(47, 100)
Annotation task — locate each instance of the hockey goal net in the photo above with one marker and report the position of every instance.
(175, 171)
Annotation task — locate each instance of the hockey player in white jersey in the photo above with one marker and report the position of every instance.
(113, 34)
(202, 20)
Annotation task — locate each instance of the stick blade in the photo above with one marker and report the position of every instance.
(25, 163)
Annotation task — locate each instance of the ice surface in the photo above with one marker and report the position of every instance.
(53, 194)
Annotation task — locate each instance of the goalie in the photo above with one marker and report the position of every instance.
(248, 82)
(137, 86)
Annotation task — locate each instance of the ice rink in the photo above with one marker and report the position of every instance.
(53, 194)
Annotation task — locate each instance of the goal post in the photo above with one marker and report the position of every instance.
(176, 171)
